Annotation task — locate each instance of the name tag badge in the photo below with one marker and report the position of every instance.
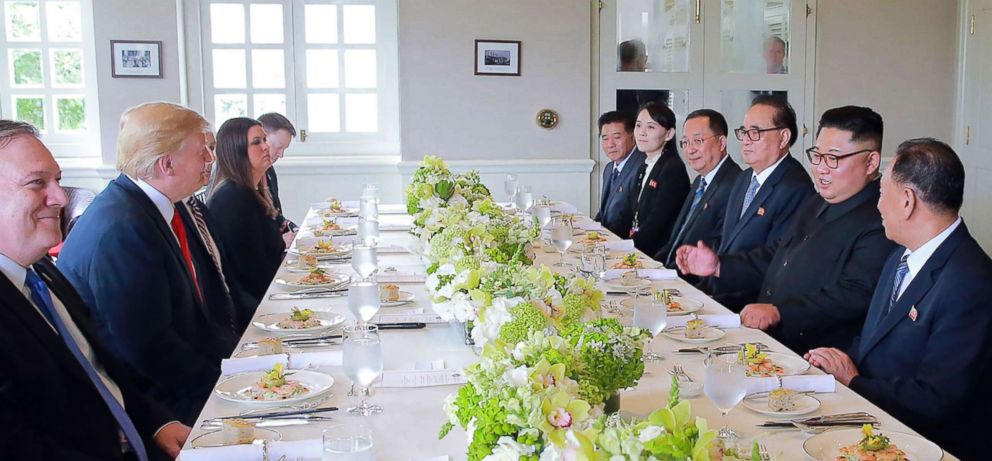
(913, 313)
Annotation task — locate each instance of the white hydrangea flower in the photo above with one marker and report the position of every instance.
(507, 449)
(650, 433)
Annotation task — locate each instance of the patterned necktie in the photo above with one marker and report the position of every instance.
(616, 174)
(42, 299)
(180, 229)
(696, 198)
(201, 226)
(901, 272)
(752, 190)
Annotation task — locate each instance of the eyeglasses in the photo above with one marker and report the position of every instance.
(696, 142)
(815, 157)
(753, 134)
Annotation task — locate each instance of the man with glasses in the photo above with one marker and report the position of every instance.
(704, 145)
(817, 280)
(616, 208)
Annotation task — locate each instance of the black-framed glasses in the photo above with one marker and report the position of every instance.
(696, 142)
(815, 157)
(754, 134)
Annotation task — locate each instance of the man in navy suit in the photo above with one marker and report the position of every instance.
(139, 264)
(704, 144)
(62, 394)
(616, 208)
(767, 195)
(925, 351)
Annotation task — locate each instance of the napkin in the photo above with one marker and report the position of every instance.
(587, 225)
(315, 359)
(392, 208)
(394, 227)
(801, 383)
(652, 274)
(390, 249)
(306, 449)
(566, 208)
(400, 277)
(229, 453)
(420, 378)
(620, 245)
(713, 320)
(260, 363)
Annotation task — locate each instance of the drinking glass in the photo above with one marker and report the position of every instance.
(524, 198)
(363, 300)
(362, 363)
(510, 187)
(368, 231)
(561, 238)
(364, 261)
(368, 208)
(371, 190)
(543, 215)
(725, 386)
(348, 442)
(651, 315)
(594, 262)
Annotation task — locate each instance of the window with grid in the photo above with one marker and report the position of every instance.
(47, 57)
(328, 65)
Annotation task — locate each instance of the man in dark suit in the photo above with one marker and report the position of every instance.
(616, 208)
(137, 262)
(279, 134)
(817, 280)
(62, 394)
(704, 144)
(925, 352)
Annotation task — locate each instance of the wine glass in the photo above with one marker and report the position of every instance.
(371, 190)
(725, 385)
(524, 198)
(561, 238)
(510, 187)
(652, 315)
(368, 231)
(368, 208)
(364, 260)
(348, 442)
(543, 215)
(363, 300)
(594, 262)
(362, 363)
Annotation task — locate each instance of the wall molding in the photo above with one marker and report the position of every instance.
(565, 165)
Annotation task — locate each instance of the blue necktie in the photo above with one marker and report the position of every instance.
(696, 198)
(901, 272)
(752, 190)
(41, 298)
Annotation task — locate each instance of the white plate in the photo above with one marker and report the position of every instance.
(343, 254)
(710, 334)
(615, 285)
(293, 282)
(216, 439)
(791, 364)
(805, 405)
(826, 446)
(405, 297)
(347, 213)
(688, 305)
(267, 322)
(351, 230)
(234, 389)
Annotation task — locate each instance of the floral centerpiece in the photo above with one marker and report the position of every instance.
(434, 186)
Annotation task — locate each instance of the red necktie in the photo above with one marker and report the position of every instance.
(180, 230)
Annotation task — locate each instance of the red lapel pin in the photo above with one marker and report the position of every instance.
(761, 211)
(913, 313)
(653, 184)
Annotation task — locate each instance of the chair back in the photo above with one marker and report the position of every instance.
(79, 199)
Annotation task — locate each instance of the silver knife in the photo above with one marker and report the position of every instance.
(272, 422)
(323, 294)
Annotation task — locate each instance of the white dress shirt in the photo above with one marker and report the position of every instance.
(918, 258)
(649, 161)
(162, 203)
(763, 176)
(618, 167)
(712, 174)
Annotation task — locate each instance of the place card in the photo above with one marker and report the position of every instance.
(228, 453)
(259, 363)
(315, 359)
(566, 208)
(620, 245)
(407, 318)
(420, 378)
(296, 449)
(400, 277)
(589, 225)
(391, 249)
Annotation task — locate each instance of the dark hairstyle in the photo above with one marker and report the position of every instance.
(273, 121)
(232, 160)
(718, 124)
(864, 124)
(10, 129)
(666, 118)
(785, 115)
(631, 50)
(616, 117)
(933, 170)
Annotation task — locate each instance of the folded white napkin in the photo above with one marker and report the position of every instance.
(566, 208)
(652, 274)
(260, 363)
(589, 225)
(801, 383)
(306, 449)
(620, 245)
(315, 359)
(394, 227)
(392, 208)
(420, 378)
(229, 453)
(400, 277)
(390, 249)
(713, 320)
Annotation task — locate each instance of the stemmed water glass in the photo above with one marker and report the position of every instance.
(364, 261)
(725, 385)
(368, 208)
(594, 262)
(561, 237)
(652, 315)
(362, 363)
(524, 198)
(363, 300)
(510, 187)
(368, 231)
(348, 442)
(371, 190)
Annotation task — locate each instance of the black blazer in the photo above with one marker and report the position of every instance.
(49, 408)
(928, 362)
(655, 210)
(126, 264)
(822, 272)
(706, 223)
(616, 206)
(253, 240)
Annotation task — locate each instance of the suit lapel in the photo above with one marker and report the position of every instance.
(607, 188)
(764, 192)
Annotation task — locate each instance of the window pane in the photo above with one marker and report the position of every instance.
(64, 22)
(323, 113)
(71, 113)
(266, 24)
(265, 103)
(322, 68)
(23, 23)
(67, 67)
(755, 36)
(229, 106)
(359, 68)
(321, 23)
(26, 68)
(229, 69)
(628, 100)
(653, 36)
(361, 112)
(359, 24)
(30, 109)
(227, 23)
(267, 69)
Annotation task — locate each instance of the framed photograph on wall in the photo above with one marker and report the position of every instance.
(134, 58)
(497, 57)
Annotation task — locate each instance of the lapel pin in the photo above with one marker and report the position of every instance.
(653, 184)
(913, 313)
(706, 205)
(761, 211)
(620, 189)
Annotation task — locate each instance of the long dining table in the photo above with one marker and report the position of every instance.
(407, 429)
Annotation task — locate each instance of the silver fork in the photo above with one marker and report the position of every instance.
(763, 453)
(681, 372)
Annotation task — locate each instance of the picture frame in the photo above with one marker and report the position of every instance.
(136, 59)
(497, 57)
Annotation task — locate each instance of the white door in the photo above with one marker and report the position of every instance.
(975, 147)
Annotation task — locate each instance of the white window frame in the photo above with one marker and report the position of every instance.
(64, 145)
(383, 143)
